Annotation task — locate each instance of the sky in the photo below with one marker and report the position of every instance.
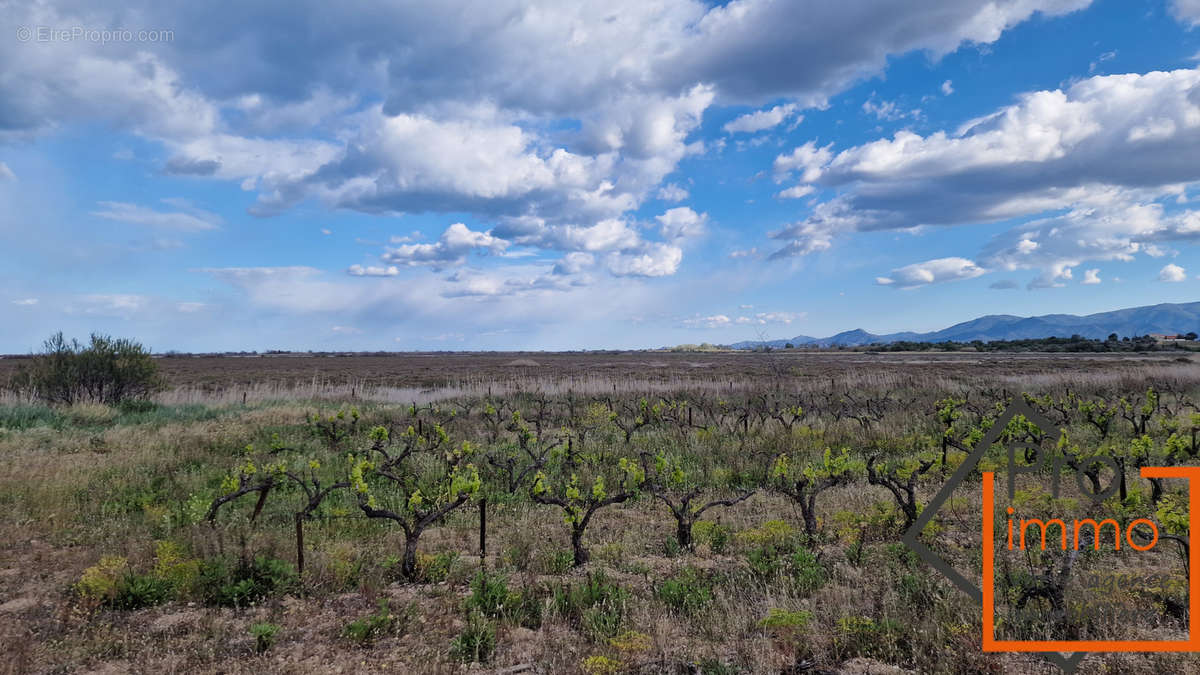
(579, 175)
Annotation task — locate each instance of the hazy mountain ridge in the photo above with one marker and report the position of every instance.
(1161, 318)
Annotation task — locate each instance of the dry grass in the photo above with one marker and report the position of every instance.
(94, 481)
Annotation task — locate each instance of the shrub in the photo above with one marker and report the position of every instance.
(135, 591)
(382, 622)
(717, 536)
(436, 568)
(477, 640)
(243, 583)
(597, 605)
(108, 370)
(113, 583)
(489, 594)
(600, 665)
(687, 592)
(264, 635)
(784, 622)
(558, 562)
(794, 564)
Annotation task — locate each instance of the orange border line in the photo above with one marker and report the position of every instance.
(1192, 644)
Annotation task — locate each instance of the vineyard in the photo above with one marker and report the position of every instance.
(715, 528)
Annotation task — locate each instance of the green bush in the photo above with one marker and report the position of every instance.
(264, 636)
(489, 594)
(477, 640)
(135, 591)
(796, 565)
(687, 591)
(597, 605)
(108, 370)
(242, 583)
(377, 624)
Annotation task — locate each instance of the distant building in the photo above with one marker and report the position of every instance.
(1172, 338)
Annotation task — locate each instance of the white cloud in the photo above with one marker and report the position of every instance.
(796, 192)
(714, 321)
(672, 193)
(326, 231)
(6, 173)
(195, 221)
(450, 249)
(372, 271)
(655, 260)
(947, 87)
(25, 302)
(574, 263)
(761, 120)
(931, 272)
(345, 330)
(764, 318)
(883, 110)
(1091, 276)
(681, 223)
(1187, 11)
(807, 159)
(1172, 274)
(191, 307)
(1094, 152)
(119, 305)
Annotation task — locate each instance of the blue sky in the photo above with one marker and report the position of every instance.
(564, 175)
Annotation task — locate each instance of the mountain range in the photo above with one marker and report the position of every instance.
(1162, 318)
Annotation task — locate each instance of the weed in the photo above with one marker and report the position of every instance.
(687, 591)
(264, 635)
(477, 640)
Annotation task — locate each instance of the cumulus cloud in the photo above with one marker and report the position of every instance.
(796, 192)
(373, 271)
(1172, 274)
(713, 321)
(195, 221)
(947, 87)
(25, 302)
(761, 120)
(552, 131)
(807, 160)
(1091, 276)
(1103, 153)
(681, 223)
(1187, 11)
(672, 193)
(655, 260)
(931, 272)
(450, 249)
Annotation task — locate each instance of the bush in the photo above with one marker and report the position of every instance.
(108, 370)
(687, 591)
(477, 640)
(382, 622)
(243, 583)
(597, 605)
(489, 594)
(113, 583)
(136, 591)
(264, 635)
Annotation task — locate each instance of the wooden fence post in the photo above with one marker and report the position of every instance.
(483, 532)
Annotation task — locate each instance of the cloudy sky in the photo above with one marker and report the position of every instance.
(562, 174)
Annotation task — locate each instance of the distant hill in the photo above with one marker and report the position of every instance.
(1163, 318)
